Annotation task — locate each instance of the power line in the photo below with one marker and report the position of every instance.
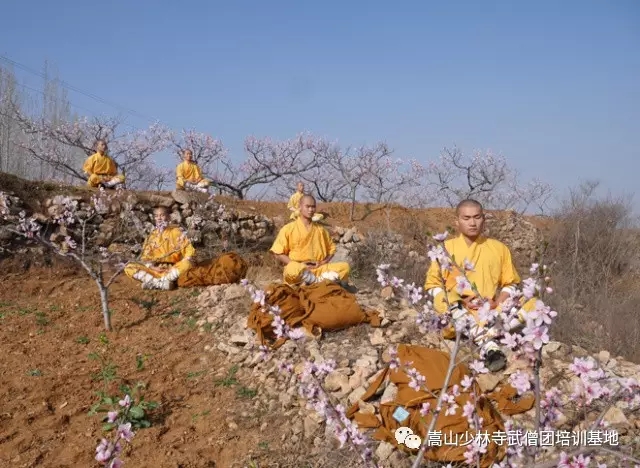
(73, 105)
(71, 87)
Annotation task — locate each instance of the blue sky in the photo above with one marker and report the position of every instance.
(552, 85)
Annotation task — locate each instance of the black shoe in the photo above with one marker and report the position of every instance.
(495, 360)
(347, 287)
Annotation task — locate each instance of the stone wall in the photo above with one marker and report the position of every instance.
(127, 217)
(210, 225)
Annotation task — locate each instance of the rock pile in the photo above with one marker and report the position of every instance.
(522, 237)
(346, 240)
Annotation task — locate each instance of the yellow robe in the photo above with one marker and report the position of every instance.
(188, 171)
(493, 269)
(294, 204)
(101, 168)
(306, 245)
(164, 250)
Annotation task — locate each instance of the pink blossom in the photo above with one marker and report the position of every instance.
(485, 314)
(537, 336)
(441, 237)
(112, 416)
(462, 284)
(468, 410)
(541, 314)
(521, 382)
(417, 380)
(529, 288)
(126, 402)
(474, 450)
(104, 451)
(451, 409)
(468, 265)
(478, 367)
(124, 431)
(396, 282)
(296, 333)
(466, 382)
(394, 362)
(582, 366)
(511, 341)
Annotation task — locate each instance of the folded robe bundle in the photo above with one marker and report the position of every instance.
(454, 429)
(226, 269)
(316, 307)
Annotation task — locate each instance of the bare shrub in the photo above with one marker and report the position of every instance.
(593, 245)
(380, 247)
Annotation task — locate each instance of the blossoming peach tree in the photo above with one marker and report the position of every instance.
(524, 333)
(67, 234)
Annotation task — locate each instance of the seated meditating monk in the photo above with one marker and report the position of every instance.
(189, 174)
(294, 201)
(101, 169)
(294, 204)
(167, 254)
(306, 249)
(493, 273)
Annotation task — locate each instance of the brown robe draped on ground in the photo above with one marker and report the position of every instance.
(316, 307)
(225, 269)
(433, 365)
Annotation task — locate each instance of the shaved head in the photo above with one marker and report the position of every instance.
(470, 219)
(469, 202)
(162, 209)
(307, 207)
(307, 198)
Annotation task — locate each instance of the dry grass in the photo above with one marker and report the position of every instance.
(263, 268)
(380, 247)
(593, 246)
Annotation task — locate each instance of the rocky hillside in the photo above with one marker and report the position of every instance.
(222, 311)
(360, 355)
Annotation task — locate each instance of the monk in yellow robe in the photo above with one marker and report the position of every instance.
(167, 254)
(101, 169)
(306, 250)
(189, 174)
(294, 201)
(493, 273)
(294, 204)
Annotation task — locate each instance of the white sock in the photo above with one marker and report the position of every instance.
(171, 275)
(308, 277)
(330, 275)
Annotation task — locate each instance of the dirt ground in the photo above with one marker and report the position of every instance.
(50, 323)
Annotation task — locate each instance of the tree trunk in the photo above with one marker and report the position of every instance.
(104, 300)
(352, 211)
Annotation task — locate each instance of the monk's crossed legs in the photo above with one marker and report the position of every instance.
(294, 272)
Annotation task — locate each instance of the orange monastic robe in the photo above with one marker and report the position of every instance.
(294, 204)
(188, 171)
(101, 169)
(493, 269)
(302, 244)
(163, 250)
